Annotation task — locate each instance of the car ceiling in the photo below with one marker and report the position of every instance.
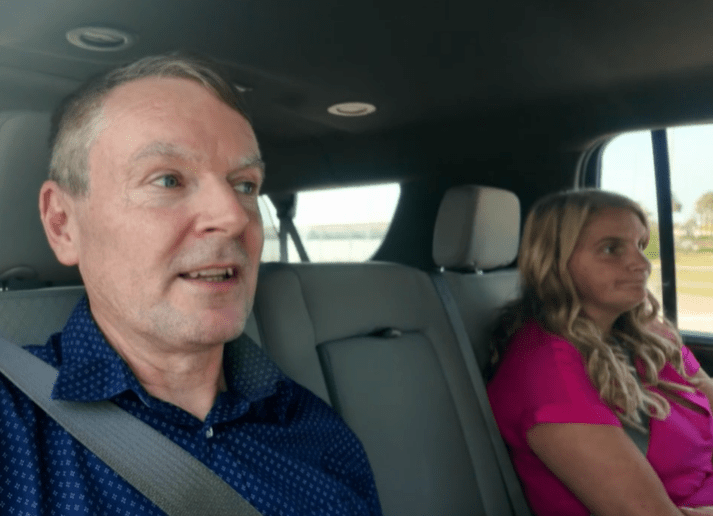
(413, 60)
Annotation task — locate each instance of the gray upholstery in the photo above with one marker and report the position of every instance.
(24, 151)
(374, 341)
(29, 317)
(488, 220)
(480, 299)
(477, 228)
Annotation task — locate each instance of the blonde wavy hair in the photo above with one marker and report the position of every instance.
(549, 296)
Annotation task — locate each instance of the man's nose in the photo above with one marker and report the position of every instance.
(220, 208)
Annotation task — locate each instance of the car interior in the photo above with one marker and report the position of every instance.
(472, 110)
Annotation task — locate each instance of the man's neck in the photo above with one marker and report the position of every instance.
(190, 380)
(191, 386)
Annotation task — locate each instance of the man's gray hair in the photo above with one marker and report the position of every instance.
(78, 121)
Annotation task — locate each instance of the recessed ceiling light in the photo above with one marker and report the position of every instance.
(100, 39)
(352, 109)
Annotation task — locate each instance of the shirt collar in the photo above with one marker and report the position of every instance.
(91, 370)
(249, 372)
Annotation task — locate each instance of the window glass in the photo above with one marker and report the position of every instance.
(338, 224)
(271, 226)
(627, 167)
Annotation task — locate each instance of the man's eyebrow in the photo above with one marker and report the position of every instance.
(173, 151)
(254, 161)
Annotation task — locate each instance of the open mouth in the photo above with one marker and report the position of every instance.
(212, 275)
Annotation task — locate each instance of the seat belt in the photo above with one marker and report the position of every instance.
(169, 476)
(512, 484)
(641, 440)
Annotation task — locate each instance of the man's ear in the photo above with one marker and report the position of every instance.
(58, 215)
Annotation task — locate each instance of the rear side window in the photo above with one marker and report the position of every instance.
(628, 168)
(334, 225)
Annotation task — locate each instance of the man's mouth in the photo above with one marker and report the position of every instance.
(213, 274)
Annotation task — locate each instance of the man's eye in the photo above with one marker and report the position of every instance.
(246, 187)
(167, 181)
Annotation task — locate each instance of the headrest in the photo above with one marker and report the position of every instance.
(477, 228)
(24, 159)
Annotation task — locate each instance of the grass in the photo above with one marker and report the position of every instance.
(694, 273)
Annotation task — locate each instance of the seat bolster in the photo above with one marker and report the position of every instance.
(29, 317)
(286, 327)
(480, 299)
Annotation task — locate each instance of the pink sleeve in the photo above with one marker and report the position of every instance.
(690, 364)
(560, 391)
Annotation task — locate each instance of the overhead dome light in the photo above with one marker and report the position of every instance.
(100, 39)
(352, 109)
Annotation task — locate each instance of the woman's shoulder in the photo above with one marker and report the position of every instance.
(533, 337)
(543, 378)
(535, 350)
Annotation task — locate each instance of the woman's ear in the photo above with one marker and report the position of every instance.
(58, 214)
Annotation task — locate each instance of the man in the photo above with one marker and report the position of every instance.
(153, 193)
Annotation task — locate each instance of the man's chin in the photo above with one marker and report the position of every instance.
(214, 330)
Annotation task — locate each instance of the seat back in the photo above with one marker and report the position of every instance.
(374, 341)
(29, 317)
(477, 233)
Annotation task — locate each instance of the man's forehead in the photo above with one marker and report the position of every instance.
(160, 117)
(161, 93)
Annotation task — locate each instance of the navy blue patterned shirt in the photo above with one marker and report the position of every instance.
(277, 444)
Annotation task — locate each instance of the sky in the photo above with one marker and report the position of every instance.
(627, 167)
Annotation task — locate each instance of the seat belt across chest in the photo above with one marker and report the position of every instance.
(169, 476)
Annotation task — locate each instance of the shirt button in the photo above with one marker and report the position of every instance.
(209, 432)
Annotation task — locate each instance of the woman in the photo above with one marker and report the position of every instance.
(565, 385)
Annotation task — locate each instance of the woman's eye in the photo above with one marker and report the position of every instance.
(167, 181)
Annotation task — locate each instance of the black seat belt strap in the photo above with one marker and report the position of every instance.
(512, 484)
(174, 480)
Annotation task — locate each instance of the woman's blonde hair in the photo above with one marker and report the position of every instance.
(550, 297)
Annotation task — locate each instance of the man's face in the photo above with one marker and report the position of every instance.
(169, 237)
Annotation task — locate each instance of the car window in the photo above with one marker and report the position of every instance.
(337, 224)
(627, 166)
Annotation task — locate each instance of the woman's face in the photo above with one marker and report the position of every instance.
(608, 266)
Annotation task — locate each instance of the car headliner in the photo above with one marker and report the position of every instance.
(415, 61)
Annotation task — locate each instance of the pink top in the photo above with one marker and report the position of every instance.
(543, 379)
